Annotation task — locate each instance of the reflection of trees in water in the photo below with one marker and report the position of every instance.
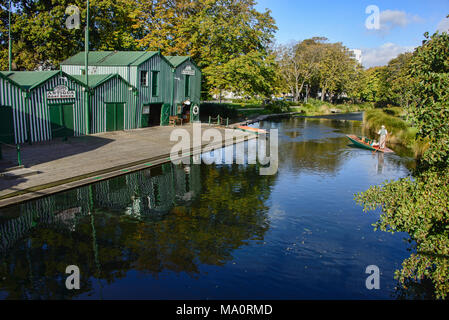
(415, 290)
(324, 148)
(172, 219)
(314, 144)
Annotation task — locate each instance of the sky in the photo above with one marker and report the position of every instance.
(402, 24)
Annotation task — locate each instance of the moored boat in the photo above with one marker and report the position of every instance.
(252, 130)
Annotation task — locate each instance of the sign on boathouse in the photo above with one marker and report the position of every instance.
(61, 92)
(189, 71)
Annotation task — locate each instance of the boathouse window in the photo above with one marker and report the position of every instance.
(187, 86)
(144, 78)
(155, 84)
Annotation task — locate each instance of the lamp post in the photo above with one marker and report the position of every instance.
(9, 35)
(86, 51)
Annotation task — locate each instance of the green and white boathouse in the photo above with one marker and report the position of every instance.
(149, 72)
(127, 90)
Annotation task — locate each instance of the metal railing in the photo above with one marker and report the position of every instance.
(219, 121)
(17, 147)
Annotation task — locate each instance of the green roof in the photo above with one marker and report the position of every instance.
(29, 79)
(111, 58)
(96, 80)
(176, 61)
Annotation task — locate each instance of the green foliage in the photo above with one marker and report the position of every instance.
(400, 131)
(430, 107)
(419, 205)
(251, 74)
(316, 63)
(395, 111)
(225, 110)
(278, 107)
(228, 39)
(42, 40)
(389, 85)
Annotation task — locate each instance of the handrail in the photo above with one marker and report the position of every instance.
(17, 147)
(219, 121)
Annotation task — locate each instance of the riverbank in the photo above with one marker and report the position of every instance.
(400, 132)
(240, 112)
(318, 108)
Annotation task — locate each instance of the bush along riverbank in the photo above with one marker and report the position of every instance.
(400, 131)
(314, 107)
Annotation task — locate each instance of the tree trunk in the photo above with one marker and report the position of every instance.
(323, 94)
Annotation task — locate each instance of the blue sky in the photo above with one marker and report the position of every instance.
(403, 23)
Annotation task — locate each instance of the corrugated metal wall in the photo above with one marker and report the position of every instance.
(180, 82)
(39, 108)
(12, 96)
(115, 90)
(39, 116)
(166, 92)
(124, 72)
(156, 63)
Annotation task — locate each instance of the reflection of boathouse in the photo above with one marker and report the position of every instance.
(147, 192)
(61, 212)
(143, 193)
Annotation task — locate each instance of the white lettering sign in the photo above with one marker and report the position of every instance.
(61, 92)
(188, 71)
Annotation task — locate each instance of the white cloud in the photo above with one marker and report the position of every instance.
(443, 26)
(390, 19)
(374, 57)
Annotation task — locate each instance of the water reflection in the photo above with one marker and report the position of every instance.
(213, 231)
(171, 218)
(380, 162)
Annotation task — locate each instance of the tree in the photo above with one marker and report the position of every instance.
(337, 66)
(419, 205)
(251, 74)
(217, 35)
(299, 63)
(42, 40)
(396, 82)
(372, 84)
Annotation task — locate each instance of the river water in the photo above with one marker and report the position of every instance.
(215, 231)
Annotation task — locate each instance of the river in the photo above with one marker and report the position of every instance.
(215, 231)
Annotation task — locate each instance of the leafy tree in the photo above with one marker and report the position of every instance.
(329, 66)
(419, 205)
(219, 35)
(42, 40)
(395, 82)
(372, 84)
(299, 63)
(251, 74)
(337, 67)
